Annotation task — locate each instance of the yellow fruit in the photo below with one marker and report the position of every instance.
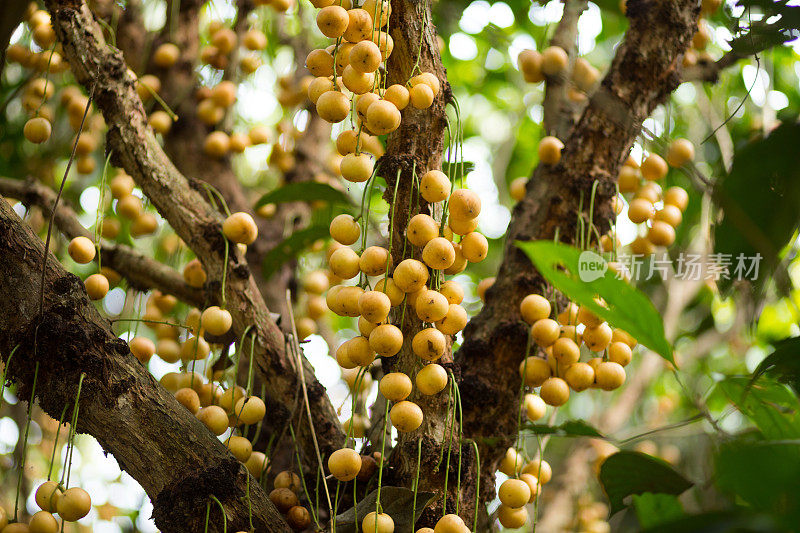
(429, 344)
(74, 504)
(431, 306)
(406, 416)
(534, 307)
(357, 82)
(661, 233)
(166, 55)
(454, 321)
(344, 229)
(452, 291)
(396, 94)
(386, 339)
(427, 78)
(598, 337)
(539, 469)
(422, 228)
(344, 464)
(194, 274)
(514, 493)
(374, 261)
(566, 351)
(579, 376)
(240, 228)
(535, 408)
(388, 286)
(365, 57)
(214, 418)
(584, 75)
(517, 188)
(654, 168)
(511, 463)
(554, 391)
(42, 522)
(512, 518)
(37, 130)
(483, 286)
(431, 379)
(142, 348)
(554, 60)
(357, 168)
(47, 496)
(545, 332)
(434, 186)
(550, 150)
(374, 306)
(421, 96)
(216, 321)
(395, 386)
(254, 40)
(382, 117)
(464, 204)
(81, 250)
(474, 247)
(240, 447)
(609, 375)
(620, 353)
(530, 64)
(450, 523)
(641, 210)
(333, 106)
(676, 196)
(377, 523)
(680, 152)
(439, 253)
(410, 275)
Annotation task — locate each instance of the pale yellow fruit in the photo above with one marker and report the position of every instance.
(395, 386)
(240, 228)
(386, 339)
(406, 416)
(429, 344)
(550, 150)
(344, 464)
(431, 379)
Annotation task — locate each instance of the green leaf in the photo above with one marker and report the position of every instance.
(779, 24)
(770, 405)
(457, 170)
(627, 307)
(783, 362)
(291, 247)
(738, 521)
(764, 474)
(570, 428)
(655, 509)
(397, 502)
(304, 191)
(626, 473)
(759, 200)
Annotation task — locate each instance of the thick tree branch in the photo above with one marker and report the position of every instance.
(709, 71)
(121, 405)
(644, 71)
(183, 205)
(141, 271)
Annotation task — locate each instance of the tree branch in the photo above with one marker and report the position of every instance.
(121, 405)
(183, 205)
(142, 271)
(709, 71)
(644, 71)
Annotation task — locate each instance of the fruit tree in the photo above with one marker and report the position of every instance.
(399, 265)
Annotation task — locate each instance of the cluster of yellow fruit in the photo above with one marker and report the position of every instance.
(523, 486)
(38, 128)
(560, 339)
(590, 516)
(223, 42)
(43, 34)
(698, 53)
(71, 504)
(347, 78)
(553, 62)
(549, 151)
(659, 212)
(285, 497)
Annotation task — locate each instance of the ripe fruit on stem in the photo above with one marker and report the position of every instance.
(344, 229)
(37, 130)
(550, 150)
(240, 228)
(406, 416)
(216, 321)
(81, 250)
(395, 386)
(431, 379)
(344, 464)
(74, 504)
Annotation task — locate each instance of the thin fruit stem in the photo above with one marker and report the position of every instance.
(416, 484)
(25, 441)
(55, 442)
(477, 484)
(101, 212)
(383, 459)
(299, 360)
(224, 271)
(72, 432)
(302, 478)
(224, 515)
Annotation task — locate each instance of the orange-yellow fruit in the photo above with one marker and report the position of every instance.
(406, 416)
(395, 386)
(37, 130)
(431, 379)
(676, 196)
(654, 168)
(240, 228)
(96, 286)
(609, 375)
(47, 496)
(641, 210)
(74, 504)
(474, 247)
(374, 261)
(514, 493)
(464, 204)
(374, 306)
(429, 344)
(344, 464)
(579, 376)
(435, 186)
(383, 117)
(680, 152)
(530, 64)
(422, 228)
(410, 275)
(431, 306)
(554, 391)
(396, 94)
(550, 150)
(454, 321)
(439, 253)
(535, 408)
(661, 233)
(554, 60)
(421, 96)
(386, 340)
(81, 250)
(545, 332)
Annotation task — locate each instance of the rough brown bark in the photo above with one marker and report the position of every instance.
(12, 12)
(142, 271)
(182, 203)
(644, 71)
(178, 462)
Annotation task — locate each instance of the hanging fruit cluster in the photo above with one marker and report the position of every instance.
(657, 212)
(350, 80)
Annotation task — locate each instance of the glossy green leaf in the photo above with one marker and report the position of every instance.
(397, 502)
(304, 191)
(770, 405)
(626, 473)
(291, 247)
(765, 474)
(759, 200)
(655, 509)
(780, 24)
(570, 428)
(458, 170)
(584, 276)
(783, 362)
